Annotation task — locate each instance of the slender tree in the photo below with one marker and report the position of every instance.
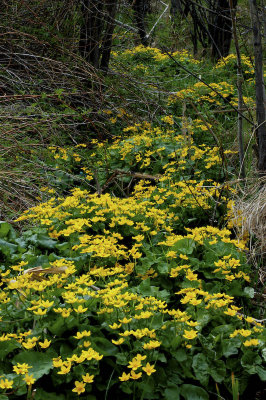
(240, 94)
(96, 32)
(260, 87)
(212, 24)
(141, 8)
(220, 27)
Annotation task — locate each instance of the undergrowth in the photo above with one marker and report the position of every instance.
(127, 277)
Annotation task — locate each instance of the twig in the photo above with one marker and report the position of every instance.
(206, 84)
(152, 29)
(118, 172)
(260, 321)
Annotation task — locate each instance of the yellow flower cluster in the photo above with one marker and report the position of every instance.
(109, 243)
(247, 64)
(210, 94)
(157, 55)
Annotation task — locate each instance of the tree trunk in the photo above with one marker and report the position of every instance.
(111, 8)
(260, 87)
(96, 32)
(90, 31)
(221, 28)
(140, 10)
(240, 95)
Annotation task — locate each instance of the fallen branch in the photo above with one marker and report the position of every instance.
(119, 172)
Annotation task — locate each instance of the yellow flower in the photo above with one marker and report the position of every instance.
(28, 345)
(149, 369)
(80, 309)
(192, 323)
(251, 342)
(124, 377)
(65, 369)
(45, 344)
(57, 362)
(195, 302)
(230, 312)
(87, 378)
(249, 319)
(29, 379)
(66, 312)
(134, 376)
(47, 303)
(115, 326)
(21, 368)
(6, 384)
(80, 335)
(125, 320)
(134, 364)
(245, 332)
(79, 387)
(40, 312)
(118, 342)
(152, 344)
(190, 334)
(171, 254)
(139, 357)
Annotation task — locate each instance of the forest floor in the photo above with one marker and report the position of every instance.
(127, 263)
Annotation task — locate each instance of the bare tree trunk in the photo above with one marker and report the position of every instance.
(221, 28)
(260, 87)
(176, 7)
(96, 32)
(90, 31)
(240, 94)
(140, 8)
(111, 8)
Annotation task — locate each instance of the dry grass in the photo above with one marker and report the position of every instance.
(249, 215)
(252, 208)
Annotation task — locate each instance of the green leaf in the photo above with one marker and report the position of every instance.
(3, 397)
(180, 355)
(217, 370)
(58, 327)
(45, 242)
(125, 388)
(263, 352)
(157, 321)
(4, 228)
(261, 372)
(121, 358)
(145, 287)
(104, 346)
(163, 268)
(185, 246)
(201, 368)
(7, 347)
(72, 322)
(249, 360)
(191, 392)
(41, 363)
(172, 392)
(7, 248)
(63, 246)
(230, 346)
(161, 357)
(65, 350)
(175, 343)
(42, 394)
